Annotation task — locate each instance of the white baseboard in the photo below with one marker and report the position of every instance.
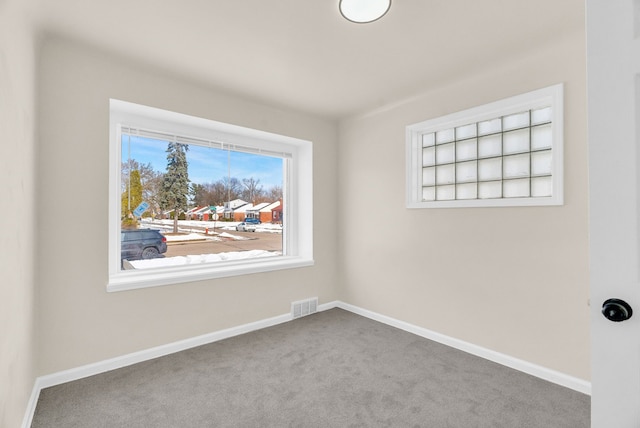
(549, 375)
(140, 356)
(31, 405)
(159, 351)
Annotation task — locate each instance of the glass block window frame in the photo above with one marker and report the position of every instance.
(506, 153)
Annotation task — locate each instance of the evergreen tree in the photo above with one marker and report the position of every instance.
(131, 197)
(175, 183)
(199, 194)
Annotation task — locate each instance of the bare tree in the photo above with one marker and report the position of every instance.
(252, 190)
(274, 193)
(150, 180)
(248, 189)
(232, 188)
(218, 192)
(147, 173)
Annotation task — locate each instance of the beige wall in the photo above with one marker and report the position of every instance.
(17, 345)
(79, 321)
(513, 280)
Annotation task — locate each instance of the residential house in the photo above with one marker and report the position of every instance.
(254, 211)
(240, 213)
(192, 213)
(230, 208)
(273, 213)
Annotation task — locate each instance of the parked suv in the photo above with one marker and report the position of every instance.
(142, 244)
(252, 220)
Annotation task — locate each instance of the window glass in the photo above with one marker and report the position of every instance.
(204, 200)
(193, 199)
(501, 154)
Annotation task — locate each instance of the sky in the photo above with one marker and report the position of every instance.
(206, 165)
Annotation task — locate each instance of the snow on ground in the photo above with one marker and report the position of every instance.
(202, 237)
(195, 230)
(236, 237)
(202, 258)
(190, 237)
(263, 227)
(195, 227)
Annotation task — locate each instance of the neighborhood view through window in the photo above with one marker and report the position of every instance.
(186, 203)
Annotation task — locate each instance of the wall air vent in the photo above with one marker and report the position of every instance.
(304, 307)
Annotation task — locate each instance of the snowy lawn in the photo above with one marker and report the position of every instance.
(189, 237)
(202, 237)
(199, 227)
(198, 231)
(202, 258)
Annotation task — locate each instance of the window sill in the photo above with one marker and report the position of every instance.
(531, 201)
(128, 280)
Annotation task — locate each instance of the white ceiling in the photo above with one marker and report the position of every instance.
(302, 54)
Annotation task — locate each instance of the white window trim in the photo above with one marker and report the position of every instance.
(298, 197)
(552, 95)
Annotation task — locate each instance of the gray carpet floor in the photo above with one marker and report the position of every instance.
(330, 369)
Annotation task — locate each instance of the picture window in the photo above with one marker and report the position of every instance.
(178, 179)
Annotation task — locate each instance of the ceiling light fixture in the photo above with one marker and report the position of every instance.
(364, 11)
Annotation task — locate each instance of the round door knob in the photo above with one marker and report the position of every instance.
(616, 310)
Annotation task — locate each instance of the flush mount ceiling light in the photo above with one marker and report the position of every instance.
(363, 11)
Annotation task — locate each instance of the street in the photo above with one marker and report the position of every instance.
(256, 241)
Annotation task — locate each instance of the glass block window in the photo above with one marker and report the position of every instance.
(501, 154)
